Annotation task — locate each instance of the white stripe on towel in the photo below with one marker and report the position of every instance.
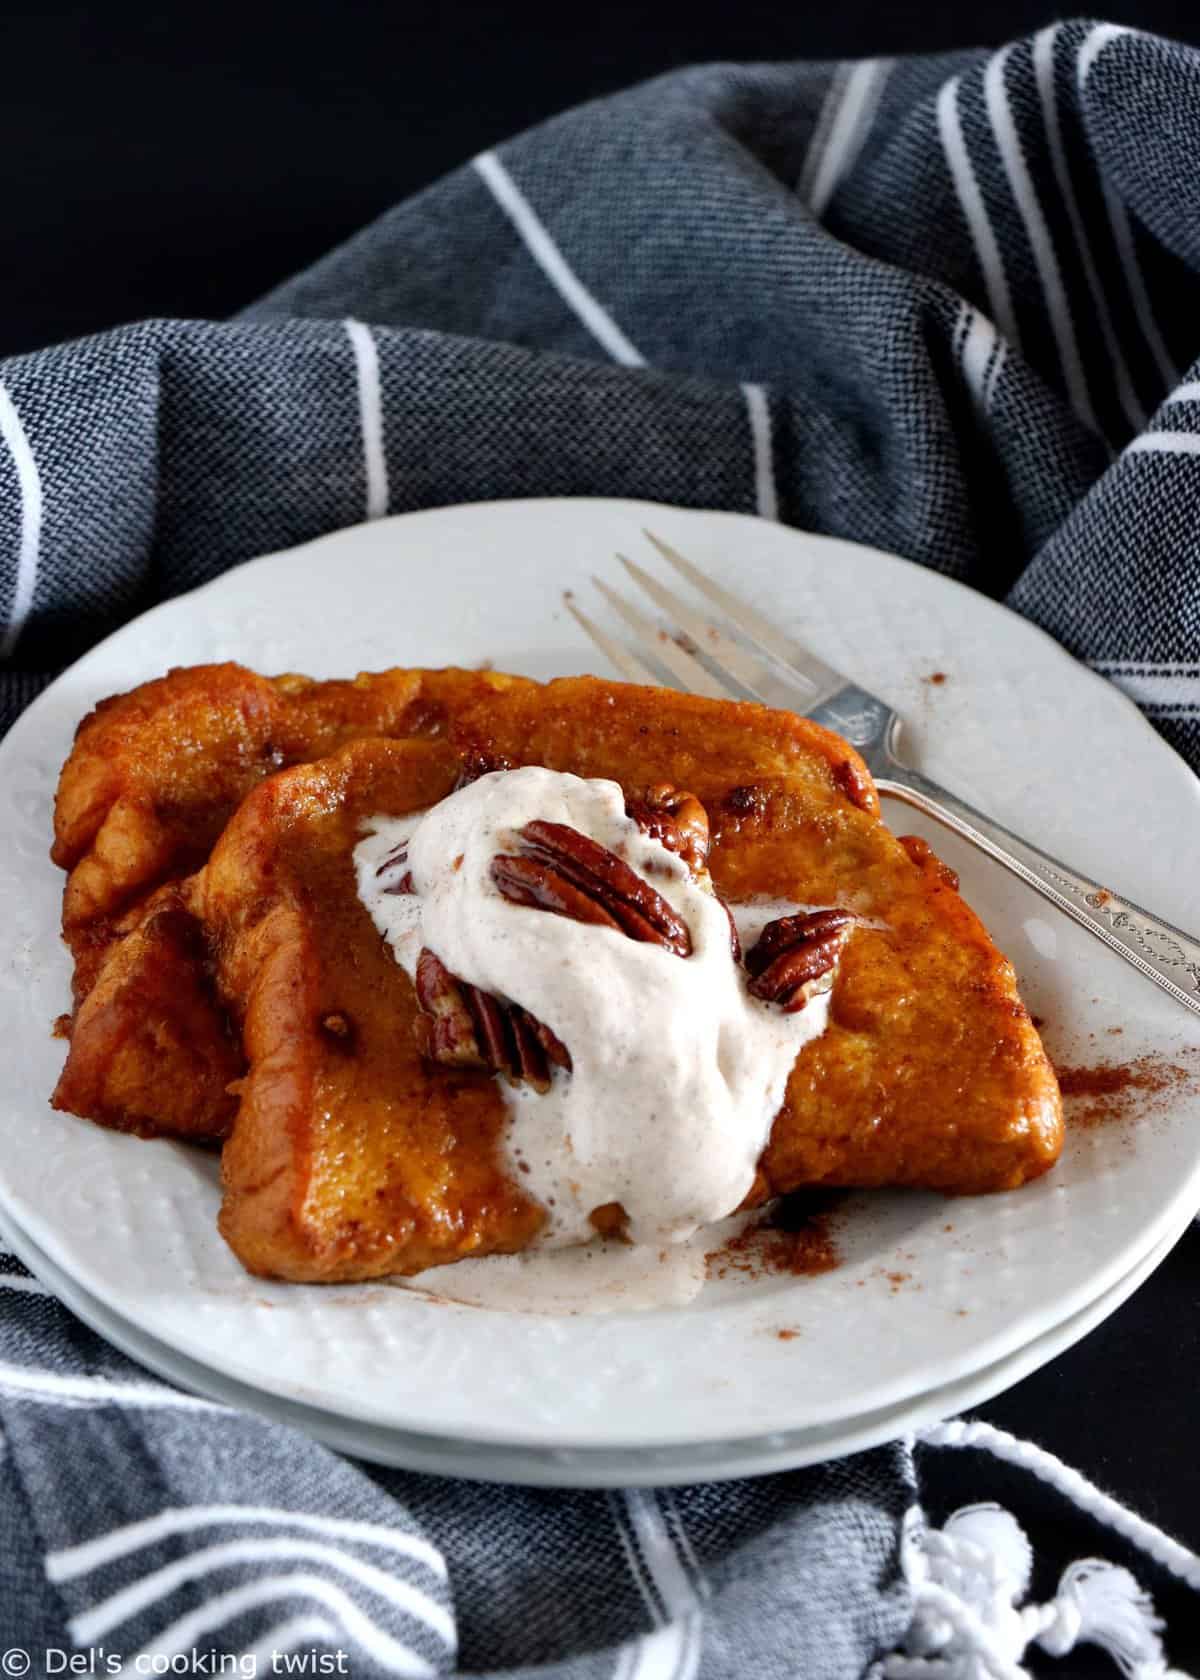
(843, 128)
(30, 485)
(658, 1551)
(299, 1630)
(1165, 443)
(1094, 43)
(1122, 229)
(23, 1285)
(370, 413)
(97, 1391)
(552, 263)
(970, 199)
(91, 1625)
(758, 410)
(1170, 687)
(1040, 243)
(72, 1561)
(980, 353)
(182, 1636)
(1043, 68)
(669, 1653)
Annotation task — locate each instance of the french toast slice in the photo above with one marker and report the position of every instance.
(931, 1072)
(351, 1157)
(153, 777)
(152, 1050)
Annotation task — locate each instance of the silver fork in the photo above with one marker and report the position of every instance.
(796, 680)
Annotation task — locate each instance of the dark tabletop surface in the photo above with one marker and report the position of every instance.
(177, 161)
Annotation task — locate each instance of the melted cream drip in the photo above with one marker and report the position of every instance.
(602, 1276)
(677, 1073)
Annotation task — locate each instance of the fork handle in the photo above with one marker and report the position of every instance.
(1163, 953)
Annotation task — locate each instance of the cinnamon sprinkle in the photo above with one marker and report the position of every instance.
(796, 1241)
(1119, 1091)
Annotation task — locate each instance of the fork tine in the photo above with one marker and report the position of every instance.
(659, 644)
(789, 653)
(731, 658)
(624, 661)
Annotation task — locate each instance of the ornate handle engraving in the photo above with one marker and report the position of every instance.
(1163, 953)
(1159, 942)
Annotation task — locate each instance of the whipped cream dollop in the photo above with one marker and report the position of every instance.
(677, 1071)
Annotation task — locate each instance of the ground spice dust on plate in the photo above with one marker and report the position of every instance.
(1107, 1093)
(795, 1241)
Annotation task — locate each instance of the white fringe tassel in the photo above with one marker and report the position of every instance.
(967, 1580)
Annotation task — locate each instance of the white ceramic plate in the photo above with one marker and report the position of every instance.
(586, 1467)
(928, 1292)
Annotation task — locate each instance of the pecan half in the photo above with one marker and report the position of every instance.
(680, 823)
(562, 870)
(462, 1026)
(793, 958)
(676, 819)
(474, 762)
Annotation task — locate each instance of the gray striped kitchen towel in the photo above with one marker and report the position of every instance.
(945, 305)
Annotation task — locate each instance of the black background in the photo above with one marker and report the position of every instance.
(178, 160)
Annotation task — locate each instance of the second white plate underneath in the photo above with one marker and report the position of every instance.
(545, 1467)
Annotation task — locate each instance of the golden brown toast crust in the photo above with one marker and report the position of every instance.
(351, 1157)
(154, 775)
(152, 1050)
(152, 779)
